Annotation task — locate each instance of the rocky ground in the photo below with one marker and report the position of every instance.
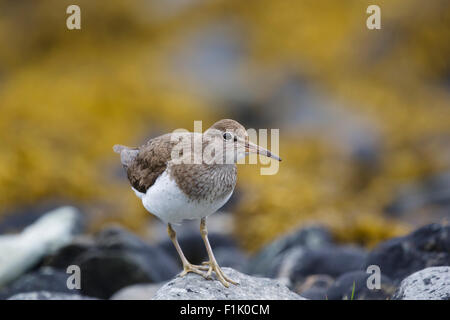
(116, 264)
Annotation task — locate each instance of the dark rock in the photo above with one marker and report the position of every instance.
(220, 223)
(425, 247)
(427, 284)
(315, 293)
(315, 287)
(230, 257)
(115, 259)
(66, 255)
(310, 237)
(46, 295)
(195, 287)
(342, 288)
(194, 247)
(298, 263)
(45, 279)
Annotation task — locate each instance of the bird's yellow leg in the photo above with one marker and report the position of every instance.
(212, 263)
(187, 266)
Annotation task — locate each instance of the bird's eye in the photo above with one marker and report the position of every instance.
(227, 136)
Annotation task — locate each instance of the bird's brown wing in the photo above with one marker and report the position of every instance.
(150, 162)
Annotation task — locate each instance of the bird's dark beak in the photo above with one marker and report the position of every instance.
(254, 148)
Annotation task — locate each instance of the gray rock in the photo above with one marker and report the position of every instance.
(46, 295)
(137, 292)
(426, 247)
(428, 284)
(44, 279)
(195, 287)
(264, 262)
(115, 259)
(20, 252)
(18, 218)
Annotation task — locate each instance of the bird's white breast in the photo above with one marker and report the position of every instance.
(165, 200)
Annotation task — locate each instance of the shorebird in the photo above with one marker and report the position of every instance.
(187, 175)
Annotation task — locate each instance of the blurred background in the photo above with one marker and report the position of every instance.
(364, 115)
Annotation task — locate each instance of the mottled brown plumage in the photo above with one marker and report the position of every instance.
(198, 181)
(150, 162)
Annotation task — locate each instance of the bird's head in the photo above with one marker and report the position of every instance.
(234, 141)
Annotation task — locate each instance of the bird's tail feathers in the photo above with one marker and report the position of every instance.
(118, 148)
(127, 155)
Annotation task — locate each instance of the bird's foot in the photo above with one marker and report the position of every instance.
(214, 266)
(195, 269)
